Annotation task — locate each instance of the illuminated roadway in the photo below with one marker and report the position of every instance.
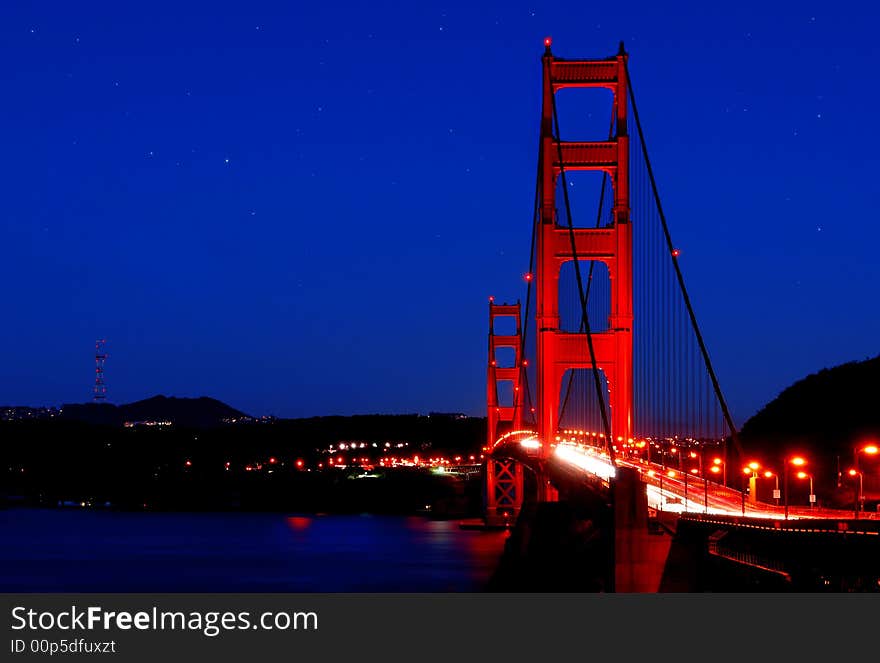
(667, 490)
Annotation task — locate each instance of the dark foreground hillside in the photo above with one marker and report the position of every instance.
(825, 416)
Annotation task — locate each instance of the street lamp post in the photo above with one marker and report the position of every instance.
(785, 482)
(747, 472)
(685, 488)
(699, 457)
(871, 450)
(857, 473)
(663, 465)
(797, 461)
(705, 493)
(720, 467)
(751, 470)
(715, 469)
(804, 475)
(776, 493)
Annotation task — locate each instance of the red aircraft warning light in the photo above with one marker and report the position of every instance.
(548, 41)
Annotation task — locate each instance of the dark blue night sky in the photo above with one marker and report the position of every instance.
(300, 209)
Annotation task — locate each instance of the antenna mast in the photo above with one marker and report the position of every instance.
(100, 390)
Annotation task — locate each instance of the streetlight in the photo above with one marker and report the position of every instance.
(719, 465)
(804, 475)
(747, 472)
(870, 450)
(716, 469)
(685, 486)
(797, 461)
(751, 471)
(858, 473)
(699, 458)
(776, 494)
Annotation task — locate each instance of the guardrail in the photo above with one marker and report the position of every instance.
(746, 558)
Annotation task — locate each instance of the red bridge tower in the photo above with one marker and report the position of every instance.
(504, 477)
(560, 351)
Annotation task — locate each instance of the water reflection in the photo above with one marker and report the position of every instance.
(86, 550)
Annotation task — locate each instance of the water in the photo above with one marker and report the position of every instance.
(84, 550)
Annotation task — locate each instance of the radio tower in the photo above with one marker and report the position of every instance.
(100, 391)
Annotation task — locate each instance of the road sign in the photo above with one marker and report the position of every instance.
(812, 499)
(777, 494)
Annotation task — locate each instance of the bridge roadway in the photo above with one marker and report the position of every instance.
(713, 547)
(691, 494)
(671, 494)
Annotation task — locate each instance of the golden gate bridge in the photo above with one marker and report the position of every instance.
(601, 375)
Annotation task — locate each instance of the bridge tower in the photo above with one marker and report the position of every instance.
(559, 351)
(504, 477)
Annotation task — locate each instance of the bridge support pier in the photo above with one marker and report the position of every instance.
(504, 492)
(639, 555)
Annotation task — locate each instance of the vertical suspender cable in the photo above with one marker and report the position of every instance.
(524, 380)
(693, 318)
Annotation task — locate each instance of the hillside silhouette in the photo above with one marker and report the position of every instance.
(824, 416)
(187, 412)
(830, 408)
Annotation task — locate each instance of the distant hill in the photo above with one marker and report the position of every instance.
(201, 412)
(828, 409)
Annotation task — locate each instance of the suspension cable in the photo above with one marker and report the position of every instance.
(687, 301)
